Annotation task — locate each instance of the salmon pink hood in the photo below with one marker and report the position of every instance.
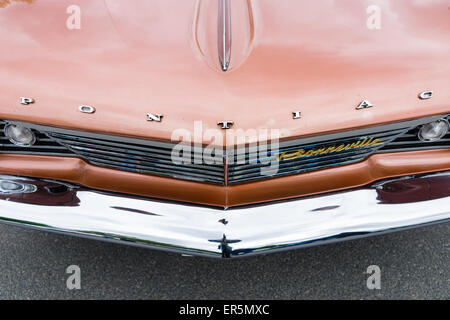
(131, 58)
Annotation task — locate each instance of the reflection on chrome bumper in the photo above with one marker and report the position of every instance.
(384, 206)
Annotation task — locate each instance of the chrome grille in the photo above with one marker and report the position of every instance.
(138, 156)
(246, 172)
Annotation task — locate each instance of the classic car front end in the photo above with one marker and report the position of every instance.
(224, 128)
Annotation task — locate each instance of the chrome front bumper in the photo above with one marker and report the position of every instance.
(216, 232)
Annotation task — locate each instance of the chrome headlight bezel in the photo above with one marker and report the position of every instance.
(437, 138)
(15, 142)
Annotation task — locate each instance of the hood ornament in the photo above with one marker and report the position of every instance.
(224, 34)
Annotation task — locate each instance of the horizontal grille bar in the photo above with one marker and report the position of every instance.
(138, 158)
(131, 154)
(85, 141)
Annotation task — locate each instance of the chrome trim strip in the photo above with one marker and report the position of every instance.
(224, 34)
(220, 232)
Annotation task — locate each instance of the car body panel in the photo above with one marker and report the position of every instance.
(132, 58)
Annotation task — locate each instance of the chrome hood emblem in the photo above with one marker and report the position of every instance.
(224, 32)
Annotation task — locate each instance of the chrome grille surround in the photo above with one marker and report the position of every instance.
(154, 157)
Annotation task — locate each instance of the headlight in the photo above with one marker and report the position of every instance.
(434, 130)
(19, 135)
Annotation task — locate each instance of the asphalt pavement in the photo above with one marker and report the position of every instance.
(414, 264)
